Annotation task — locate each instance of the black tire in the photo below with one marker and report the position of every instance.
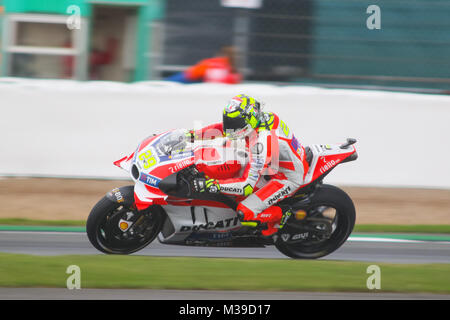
(103, 231)
(325, 196)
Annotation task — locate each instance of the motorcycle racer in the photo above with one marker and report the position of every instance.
(275, 169)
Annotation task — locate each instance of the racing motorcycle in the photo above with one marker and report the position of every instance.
(163, 204)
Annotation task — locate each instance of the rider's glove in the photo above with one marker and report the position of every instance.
(203, 185)
(191, 136)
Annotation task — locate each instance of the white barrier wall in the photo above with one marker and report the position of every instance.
(65, 128)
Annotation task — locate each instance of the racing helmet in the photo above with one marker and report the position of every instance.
(241, 116)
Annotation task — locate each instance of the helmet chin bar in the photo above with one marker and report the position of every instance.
(239, 133)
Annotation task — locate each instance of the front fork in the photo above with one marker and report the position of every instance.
(124, 196)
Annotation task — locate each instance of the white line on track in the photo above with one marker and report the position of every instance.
(375, 239)
(42, 232)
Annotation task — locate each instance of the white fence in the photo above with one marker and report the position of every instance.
(66, 128)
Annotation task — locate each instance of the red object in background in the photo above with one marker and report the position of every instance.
(100, 58)
(97, 59)
(68, 63)
(216, 69)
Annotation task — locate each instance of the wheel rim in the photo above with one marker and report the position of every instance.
(114, 240)
(325, 224)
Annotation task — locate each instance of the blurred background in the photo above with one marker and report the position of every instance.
(315, 42)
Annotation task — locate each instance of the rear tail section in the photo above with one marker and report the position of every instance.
(325, 157)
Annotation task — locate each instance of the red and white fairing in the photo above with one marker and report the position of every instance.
(159, 156)
(215, 158)
(151, 163)
(325, 158)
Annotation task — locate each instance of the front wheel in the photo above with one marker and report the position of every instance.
(319, 227)
(106, 232)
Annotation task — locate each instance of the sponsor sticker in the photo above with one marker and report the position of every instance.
(253, 177)
(258, 148)
(231, 189)
(175, 156)
(181, 165)
(116, 193)
(149, 180)
(297, 147)
(328, 165)
(233, 105)
(221, 224)
(301, 236)
(279, 195)
(124, 225)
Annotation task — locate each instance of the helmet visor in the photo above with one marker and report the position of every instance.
(233, 124)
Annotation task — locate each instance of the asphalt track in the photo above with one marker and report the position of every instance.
(355, 249)
(145, 294)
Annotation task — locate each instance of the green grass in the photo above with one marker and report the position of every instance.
(32, 222)
(445, 228)
(107, 271)
(420, 228)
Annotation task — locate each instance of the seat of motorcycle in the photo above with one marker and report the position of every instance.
(309, 157)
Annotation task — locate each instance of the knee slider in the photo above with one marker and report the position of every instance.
(240, 215)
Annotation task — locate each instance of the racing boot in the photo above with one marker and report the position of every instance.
(247, 223)
(271, 229)
(271, 216)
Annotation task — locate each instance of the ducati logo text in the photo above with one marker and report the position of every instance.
(279, 195)
(212, 225)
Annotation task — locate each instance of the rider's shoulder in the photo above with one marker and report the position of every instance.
(270, 120)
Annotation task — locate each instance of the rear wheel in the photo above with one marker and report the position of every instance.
(319, 227)
(105, 233)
